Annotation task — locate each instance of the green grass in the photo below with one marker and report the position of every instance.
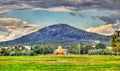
(60, 63)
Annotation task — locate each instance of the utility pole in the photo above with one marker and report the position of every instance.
(79, 47)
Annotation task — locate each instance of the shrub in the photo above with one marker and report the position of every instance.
(42, 49)
(100, 52)
(100, 46)
(13, 53)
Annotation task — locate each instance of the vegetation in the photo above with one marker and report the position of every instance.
(79, 49)
(42, 49)
(116, 42)
(60, 63)
(100, 46)
(99, 49)
(90, 58)
(22, 50)
(100, 52)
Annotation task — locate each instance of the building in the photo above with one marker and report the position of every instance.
(60, 51)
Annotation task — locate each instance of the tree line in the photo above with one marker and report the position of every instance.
(98, 49)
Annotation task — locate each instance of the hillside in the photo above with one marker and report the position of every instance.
(59, 34)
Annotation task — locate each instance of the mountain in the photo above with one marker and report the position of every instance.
(59, 34)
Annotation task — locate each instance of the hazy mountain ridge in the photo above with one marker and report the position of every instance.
(57, 35)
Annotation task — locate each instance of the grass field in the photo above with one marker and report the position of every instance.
(60, 63)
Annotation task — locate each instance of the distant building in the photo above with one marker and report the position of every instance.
(60, 51)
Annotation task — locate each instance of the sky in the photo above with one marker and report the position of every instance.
(89, 15)
(81, 20)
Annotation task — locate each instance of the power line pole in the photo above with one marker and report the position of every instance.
(79, 47)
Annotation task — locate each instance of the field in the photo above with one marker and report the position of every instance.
(60, 63)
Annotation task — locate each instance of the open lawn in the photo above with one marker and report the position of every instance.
(60, 63)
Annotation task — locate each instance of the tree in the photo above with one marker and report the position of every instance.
(76, 49)
(73, 49)
(116, 42)
(42, 49)
(116, 49)
(87, 48)
(100, 46)
(3, 51)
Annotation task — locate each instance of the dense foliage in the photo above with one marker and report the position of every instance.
(100, 46)
(43, 49)
(98, 49)
(21, 50)
(116, 42)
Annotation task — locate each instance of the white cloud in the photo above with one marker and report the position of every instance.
(56, 9)
(104, 29)
(16, 28)
(59, 5)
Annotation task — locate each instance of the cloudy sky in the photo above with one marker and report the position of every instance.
(67, 5)
(89, 15)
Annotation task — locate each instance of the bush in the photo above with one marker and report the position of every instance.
(87, 48)
(42, 49)
(108, 52)
(30, 53)
(13, 53)
(95, 52)
(100, 46)
(100, 52)
(74, 49)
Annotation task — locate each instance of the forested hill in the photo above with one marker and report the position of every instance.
(58, 34)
